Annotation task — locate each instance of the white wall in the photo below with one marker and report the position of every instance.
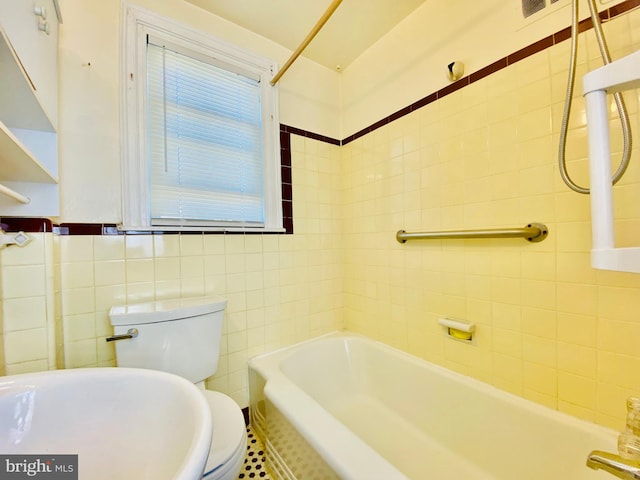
(89, 133)
(410, 62)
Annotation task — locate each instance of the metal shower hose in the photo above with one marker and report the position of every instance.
(622, 110)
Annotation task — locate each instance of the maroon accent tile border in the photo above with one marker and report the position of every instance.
(562, 35)
(364, 131)
(285, 140)
(529, 50)
(585, 25)
(83, 229)
(454, 87)
(286, 176)
(399, 114)
(424, 101)
(623, 7)
(287, 191)
(33, 225)
(285, 172)
(488, 70)
(68, 229)
(305, 133)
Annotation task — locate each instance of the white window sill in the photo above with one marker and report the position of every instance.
(201, 229)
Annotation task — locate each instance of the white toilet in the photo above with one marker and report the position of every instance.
(183, 337)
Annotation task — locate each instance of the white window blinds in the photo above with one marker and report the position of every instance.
(204, 137)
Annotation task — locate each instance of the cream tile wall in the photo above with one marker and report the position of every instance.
(28, 314)
(281, 288)
(550, 328)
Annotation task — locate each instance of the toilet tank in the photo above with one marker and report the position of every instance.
(180, 336)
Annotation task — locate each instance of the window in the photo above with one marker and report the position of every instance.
(201, 132)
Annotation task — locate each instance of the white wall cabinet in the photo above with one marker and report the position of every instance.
(29, 107)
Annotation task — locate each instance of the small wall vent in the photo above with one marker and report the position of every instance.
(529, 7)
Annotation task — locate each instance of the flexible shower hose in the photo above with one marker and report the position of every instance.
(622, 110)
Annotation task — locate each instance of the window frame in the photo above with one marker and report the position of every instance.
(138, 23)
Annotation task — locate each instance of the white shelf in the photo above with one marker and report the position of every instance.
(619, 259)
(622, 74)
(19, 101)
(28, 111)
(17, 162)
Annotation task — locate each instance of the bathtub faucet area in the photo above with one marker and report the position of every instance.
(614, 464)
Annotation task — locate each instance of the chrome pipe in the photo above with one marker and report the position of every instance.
(533, 232)
(131, 333)
(614, 464)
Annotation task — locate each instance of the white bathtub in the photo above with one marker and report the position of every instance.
(347, 407)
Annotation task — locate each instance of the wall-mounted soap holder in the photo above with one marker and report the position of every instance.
(458, 329)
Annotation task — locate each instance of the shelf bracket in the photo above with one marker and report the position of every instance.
(4, 190)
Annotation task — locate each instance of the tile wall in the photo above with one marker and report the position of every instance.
(550, 328)
(28, 312)
(281, 288)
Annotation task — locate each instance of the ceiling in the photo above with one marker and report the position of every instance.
(354, 26)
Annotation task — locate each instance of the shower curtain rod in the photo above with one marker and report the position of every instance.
(314, 31)
(533, 232)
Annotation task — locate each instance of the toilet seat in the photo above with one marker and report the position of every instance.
(229, 438)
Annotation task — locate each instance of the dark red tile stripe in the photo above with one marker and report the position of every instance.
(34, 225)
(305, 133)
(562, 35)
(488, 70)
(623, 7)
(453, 87)
(286, 177)
(424, 101)
(532, 49)
(80, 229)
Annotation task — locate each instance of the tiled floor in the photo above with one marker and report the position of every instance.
(254, 461)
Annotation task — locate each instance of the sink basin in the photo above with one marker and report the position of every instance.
(123, 423)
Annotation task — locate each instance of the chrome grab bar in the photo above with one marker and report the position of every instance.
(614, 464)
(533, 232)
(131, 333)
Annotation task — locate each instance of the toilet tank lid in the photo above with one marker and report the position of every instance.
(164, 310)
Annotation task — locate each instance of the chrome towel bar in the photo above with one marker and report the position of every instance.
(532, 232)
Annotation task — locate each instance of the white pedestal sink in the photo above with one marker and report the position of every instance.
(123, 423)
